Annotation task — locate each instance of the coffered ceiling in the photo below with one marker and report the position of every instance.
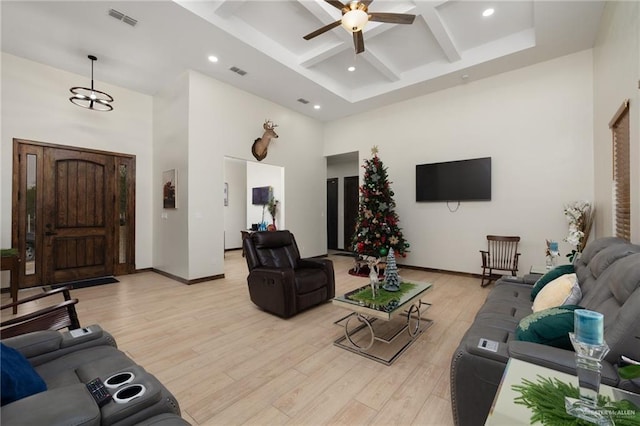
(449, 43)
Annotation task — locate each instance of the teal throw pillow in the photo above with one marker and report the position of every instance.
(556, 272)
(549, 327)
(19, 379)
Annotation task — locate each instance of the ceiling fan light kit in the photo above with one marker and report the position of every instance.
(355, 20)
(91, 98)
(355, 16)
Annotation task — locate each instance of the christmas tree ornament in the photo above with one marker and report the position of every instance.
(384, 251)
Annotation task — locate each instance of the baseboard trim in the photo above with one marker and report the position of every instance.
(441, 271)
(138, 271)
(185, 281)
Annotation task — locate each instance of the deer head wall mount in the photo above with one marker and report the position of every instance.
(261, 145)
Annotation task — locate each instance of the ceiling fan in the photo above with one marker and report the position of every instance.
(355, 16)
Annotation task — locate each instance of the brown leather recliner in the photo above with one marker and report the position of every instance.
(280, 281)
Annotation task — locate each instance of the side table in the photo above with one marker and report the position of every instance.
(12, 263)
(505, 411)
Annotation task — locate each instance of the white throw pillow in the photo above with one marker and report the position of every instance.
(564, 290)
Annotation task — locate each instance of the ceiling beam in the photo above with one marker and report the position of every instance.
(227, 8)
(439, 30)
(322, 53)
(384, 69)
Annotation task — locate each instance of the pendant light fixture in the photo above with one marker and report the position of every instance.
(91, 98)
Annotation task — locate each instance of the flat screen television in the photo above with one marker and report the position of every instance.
(260, 195)
(464, 180)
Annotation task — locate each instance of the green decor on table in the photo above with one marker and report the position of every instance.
(546, 400)
(383, 298)
(8, 252)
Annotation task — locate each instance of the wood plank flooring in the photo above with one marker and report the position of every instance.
(229, 363)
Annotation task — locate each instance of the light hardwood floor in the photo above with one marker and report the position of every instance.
(227, 362)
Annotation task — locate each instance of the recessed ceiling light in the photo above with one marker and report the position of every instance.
(351, 69)
(316, 107)
(488, 12)
(213, 58)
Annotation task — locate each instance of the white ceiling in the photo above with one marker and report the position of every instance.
(449, 43)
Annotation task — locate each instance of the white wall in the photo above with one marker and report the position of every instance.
(535, 123)
(337, 168)
(170, 151)
(224, 121)
(235, 213)
(259, 175)
(616, 76)
(35, 106)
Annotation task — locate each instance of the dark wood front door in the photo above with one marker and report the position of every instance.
(79, 215)
(351, 198)
(332, 213)
(73, 213)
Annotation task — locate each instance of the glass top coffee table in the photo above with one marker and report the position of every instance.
(385, 341)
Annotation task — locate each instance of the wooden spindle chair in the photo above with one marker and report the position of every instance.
(501, 254)
(52, 317)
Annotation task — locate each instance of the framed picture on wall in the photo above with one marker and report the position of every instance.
(170, 189)
(226, 194)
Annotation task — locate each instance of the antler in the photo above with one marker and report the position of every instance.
(269, 125)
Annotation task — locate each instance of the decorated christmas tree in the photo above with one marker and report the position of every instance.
(377, 224)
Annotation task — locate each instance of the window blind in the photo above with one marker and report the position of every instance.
(619, 126)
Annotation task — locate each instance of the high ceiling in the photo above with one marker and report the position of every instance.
(449, 43)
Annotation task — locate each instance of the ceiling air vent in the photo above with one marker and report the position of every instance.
(238, 70)
(303, 101)
(122, 17)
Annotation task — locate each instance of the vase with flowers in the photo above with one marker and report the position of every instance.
(552, 254)
(579, 215)
(272, 206)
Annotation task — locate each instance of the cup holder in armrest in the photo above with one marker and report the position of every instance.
(119, 379)
(128, 393)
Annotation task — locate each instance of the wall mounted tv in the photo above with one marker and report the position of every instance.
(464, 180)
(260, 196)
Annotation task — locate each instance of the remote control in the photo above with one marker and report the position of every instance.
(99, 392)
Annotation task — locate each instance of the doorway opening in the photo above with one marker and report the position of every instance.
(342, 200)
(240, 212)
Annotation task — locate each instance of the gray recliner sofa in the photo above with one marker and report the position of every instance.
(66, 361)
(609, 276)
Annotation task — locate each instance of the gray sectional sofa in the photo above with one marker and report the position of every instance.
(609, 276)
(66, 361)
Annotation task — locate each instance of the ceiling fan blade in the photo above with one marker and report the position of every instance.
(336, 4)
(366, 2)
(393, 18)
(322, 30)
(358, 41)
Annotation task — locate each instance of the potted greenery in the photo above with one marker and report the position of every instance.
(272, 206)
